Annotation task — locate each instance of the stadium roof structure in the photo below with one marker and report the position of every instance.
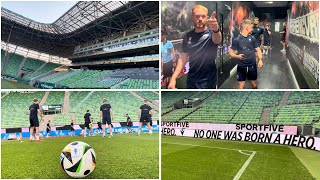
(85, 21)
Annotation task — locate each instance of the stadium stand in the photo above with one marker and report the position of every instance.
(13, 64)
(300, 97)
(297, 114)
(3, 55)
(169, 98)
(122, 103)
(251, 110)
(220, 108)
(15, 106)
(45, 69)
(32, 64)
(148, 95)
(79, 101)
(55, 97)
(117, 57)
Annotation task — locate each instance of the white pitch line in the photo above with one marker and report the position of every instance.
(206, 146)
(240, 151)
(244, 166)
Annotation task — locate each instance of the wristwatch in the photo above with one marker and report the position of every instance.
(216, 31)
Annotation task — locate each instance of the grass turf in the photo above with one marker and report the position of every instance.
(121, 157)
(181, 161)
(5, 84)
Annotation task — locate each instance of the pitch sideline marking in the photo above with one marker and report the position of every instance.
(244, 166)
(240, 151)
(207, 147)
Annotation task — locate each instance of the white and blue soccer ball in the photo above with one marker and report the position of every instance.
(78, 159)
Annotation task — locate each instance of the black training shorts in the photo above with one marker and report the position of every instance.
(145, 118)
(249, 72)
(34, 122)
(106, 120)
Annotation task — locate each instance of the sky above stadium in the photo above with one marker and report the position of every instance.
(40, 11)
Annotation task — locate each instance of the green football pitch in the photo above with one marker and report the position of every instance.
(193, 158)
(14, 85)
(121, 157)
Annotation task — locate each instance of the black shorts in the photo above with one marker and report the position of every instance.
(34, 122)
(191, 84)
(283, 38)
(48, 131)
(249, 72)
(106, 120)
(266, 43)
(86, 124)
(129, 124)
(145, 118)
(167, 69)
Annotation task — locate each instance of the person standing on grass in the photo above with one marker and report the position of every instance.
(129, 123)
(34, 111)
(71, 129)
(144, 115)
(87, 121)
(48, 129)
(105, 117)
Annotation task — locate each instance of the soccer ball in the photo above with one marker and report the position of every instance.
(78, 159)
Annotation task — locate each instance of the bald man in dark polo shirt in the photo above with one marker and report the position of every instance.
(199, 47)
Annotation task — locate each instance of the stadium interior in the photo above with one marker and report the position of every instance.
(73, 105)
(272, 107)
(115, 47)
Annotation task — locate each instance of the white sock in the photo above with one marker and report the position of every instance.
(103, 133)
(37, 137)
(111, 133)
(30, 137)
(138, 131)
(150, 131)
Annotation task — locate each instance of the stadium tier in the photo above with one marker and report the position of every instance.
(55, 97)
(135, 41)
(42, 70)
(148, 95)
(12, 65)
(14, 108)
(133, 78)
(114, 57)
(169, 98)
(79, 102)
(301, 97)
(220, 107)
(3, 55)
(251, 110)
(245, 107)
(32, 64)
(32, 67)
(297, 114)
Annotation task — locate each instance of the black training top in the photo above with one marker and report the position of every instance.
(34, 110)
(87, 117)
(105, 108)
(145, 109)
(257, 32)
(202, 54)
(247, 46)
